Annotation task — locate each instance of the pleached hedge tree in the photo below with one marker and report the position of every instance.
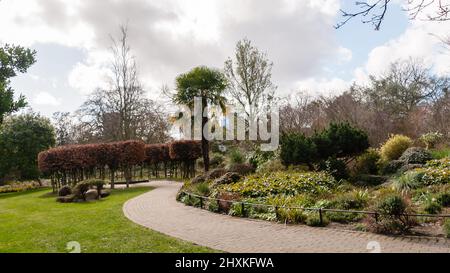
(157, 156)
(68, 165)
(185, 153)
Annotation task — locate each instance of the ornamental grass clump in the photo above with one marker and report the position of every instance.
(394, 147)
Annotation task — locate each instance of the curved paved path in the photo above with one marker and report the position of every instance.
(158, 210)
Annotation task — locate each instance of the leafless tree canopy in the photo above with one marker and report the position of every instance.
(374, 12)
(63, 124)
(122, 112)
(408, 100)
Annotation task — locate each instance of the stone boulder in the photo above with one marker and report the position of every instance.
(242, 169)
(416, 155)
(409, 167)
(105, 193)
(215, 173)
(91, 195)
(226, 179)
(199, 179)
(393, 166)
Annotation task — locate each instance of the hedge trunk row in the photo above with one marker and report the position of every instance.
(73, 163)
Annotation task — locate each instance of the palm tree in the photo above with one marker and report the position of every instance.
(209, 85)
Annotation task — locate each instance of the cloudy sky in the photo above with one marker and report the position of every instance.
(171, 36)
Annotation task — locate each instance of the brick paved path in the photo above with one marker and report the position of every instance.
(158, 210)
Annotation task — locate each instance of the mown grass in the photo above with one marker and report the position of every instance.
(34, 222)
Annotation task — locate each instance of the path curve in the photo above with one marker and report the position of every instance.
(158, 210)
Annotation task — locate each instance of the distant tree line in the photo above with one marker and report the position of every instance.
(408, 100)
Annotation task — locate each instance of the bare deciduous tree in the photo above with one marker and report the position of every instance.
(374, 12)
(63, 123)
(123, 111)
(250, 79)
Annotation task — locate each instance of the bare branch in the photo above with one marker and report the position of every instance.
(376, 12)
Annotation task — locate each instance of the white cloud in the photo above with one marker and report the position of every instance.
(172, 36)
(345, 54)
(419, 41)
(322, 86)
(86, 78)
(46, 99)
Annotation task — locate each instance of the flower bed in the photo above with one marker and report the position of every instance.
(287, 183)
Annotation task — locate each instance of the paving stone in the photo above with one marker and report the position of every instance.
(158, 210)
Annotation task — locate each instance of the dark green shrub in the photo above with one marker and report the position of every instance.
(367, 163)
(392, 205)
(22, 137)
(432, 207)
(391, 216)
(236, 157)
(297, 149)
(335, 167)
(340, 140)
(416, 155)
(64, 191)
(313, 220)
(258, 157)
(444, 199)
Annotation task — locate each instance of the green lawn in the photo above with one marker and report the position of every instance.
(34, 222)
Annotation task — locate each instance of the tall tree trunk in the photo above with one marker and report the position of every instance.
(205, 142)
(128, 173)
(113, 176)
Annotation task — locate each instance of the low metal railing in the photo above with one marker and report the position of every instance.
(320, 211)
